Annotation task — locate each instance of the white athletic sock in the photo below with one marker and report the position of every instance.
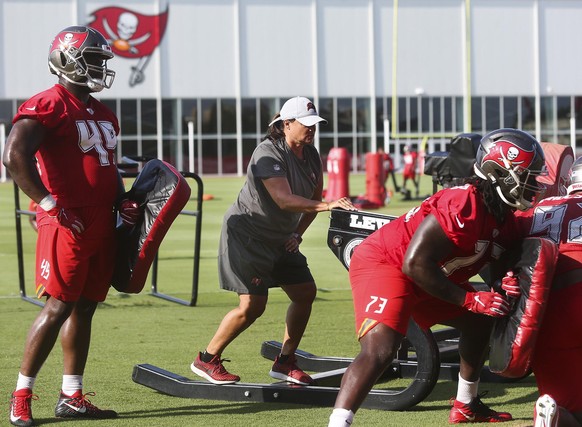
(466, 390)
(72, 383)
(341, 418)
(25, 382)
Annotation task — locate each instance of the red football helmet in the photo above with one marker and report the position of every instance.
(79, 55)
(512, 160)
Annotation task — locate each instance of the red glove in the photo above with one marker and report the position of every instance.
(129, 212)
(510, 284)
(68, 220)
(487, 303)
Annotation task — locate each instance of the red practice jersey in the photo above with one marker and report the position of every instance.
(560, 220)
(76, 160)
(387, 162)
(461, 213)
(558, 351)
(410, 159)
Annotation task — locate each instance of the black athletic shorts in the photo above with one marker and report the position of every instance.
(249, 266)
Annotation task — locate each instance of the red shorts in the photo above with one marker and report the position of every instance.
(557, 362)
(383, 294)
(409, 173)
(67, 269)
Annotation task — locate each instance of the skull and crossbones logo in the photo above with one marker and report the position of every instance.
(512, 154)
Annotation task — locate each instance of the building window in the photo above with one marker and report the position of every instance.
(492, 113)
(209, 156)
(6, 113)
(128, 118)
(170, 120)
(413, 115)
(476, 114)
(344, 115)
(209, 119)
(510, 113)
(248, 146)
(528, 116)
(327, 111)
(437, 116)
(249, 115)
(458, 115)
(425, 115)
(229, 160)
(382, 113)
(189, 112)
(448, 114)
(268, 109)
(228, 116)
(149, 123)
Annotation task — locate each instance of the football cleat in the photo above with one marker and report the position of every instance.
(78, 406)
(546, 412)
(476, 412)
(20, 408)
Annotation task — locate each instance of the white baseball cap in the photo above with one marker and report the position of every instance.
(300, 109)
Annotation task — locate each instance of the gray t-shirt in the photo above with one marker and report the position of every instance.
(254, 213)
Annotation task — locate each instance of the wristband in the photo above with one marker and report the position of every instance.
(297, 237)
(47, 203)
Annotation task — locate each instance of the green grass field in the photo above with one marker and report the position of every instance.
(132, 329)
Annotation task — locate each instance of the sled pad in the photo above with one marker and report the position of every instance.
(162, 192)
(514, 337)
(559, 160)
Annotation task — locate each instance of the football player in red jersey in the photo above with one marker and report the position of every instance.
(61, 153)
(419, 266)
(410, 158)
(558, 353)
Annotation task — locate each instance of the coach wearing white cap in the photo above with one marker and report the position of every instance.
(261, 233)
(300, 109)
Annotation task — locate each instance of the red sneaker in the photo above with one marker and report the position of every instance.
(20, 408)
(289, 371)
(78, 406)
(476, 412)
(546, 413)
(213, 371)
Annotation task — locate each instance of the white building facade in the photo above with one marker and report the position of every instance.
(199, 80)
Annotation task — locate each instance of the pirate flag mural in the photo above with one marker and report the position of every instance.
(131, 35)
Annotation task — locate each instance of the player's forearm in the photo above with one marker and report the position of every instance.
(22, 144)
(25, 175)
(431, 279)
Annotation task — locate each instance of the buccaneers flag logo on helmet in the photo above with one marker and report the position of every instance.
(67, 40)
(509, 155)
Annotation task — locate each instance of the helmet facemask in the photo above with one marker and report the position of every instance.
(97, 74)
